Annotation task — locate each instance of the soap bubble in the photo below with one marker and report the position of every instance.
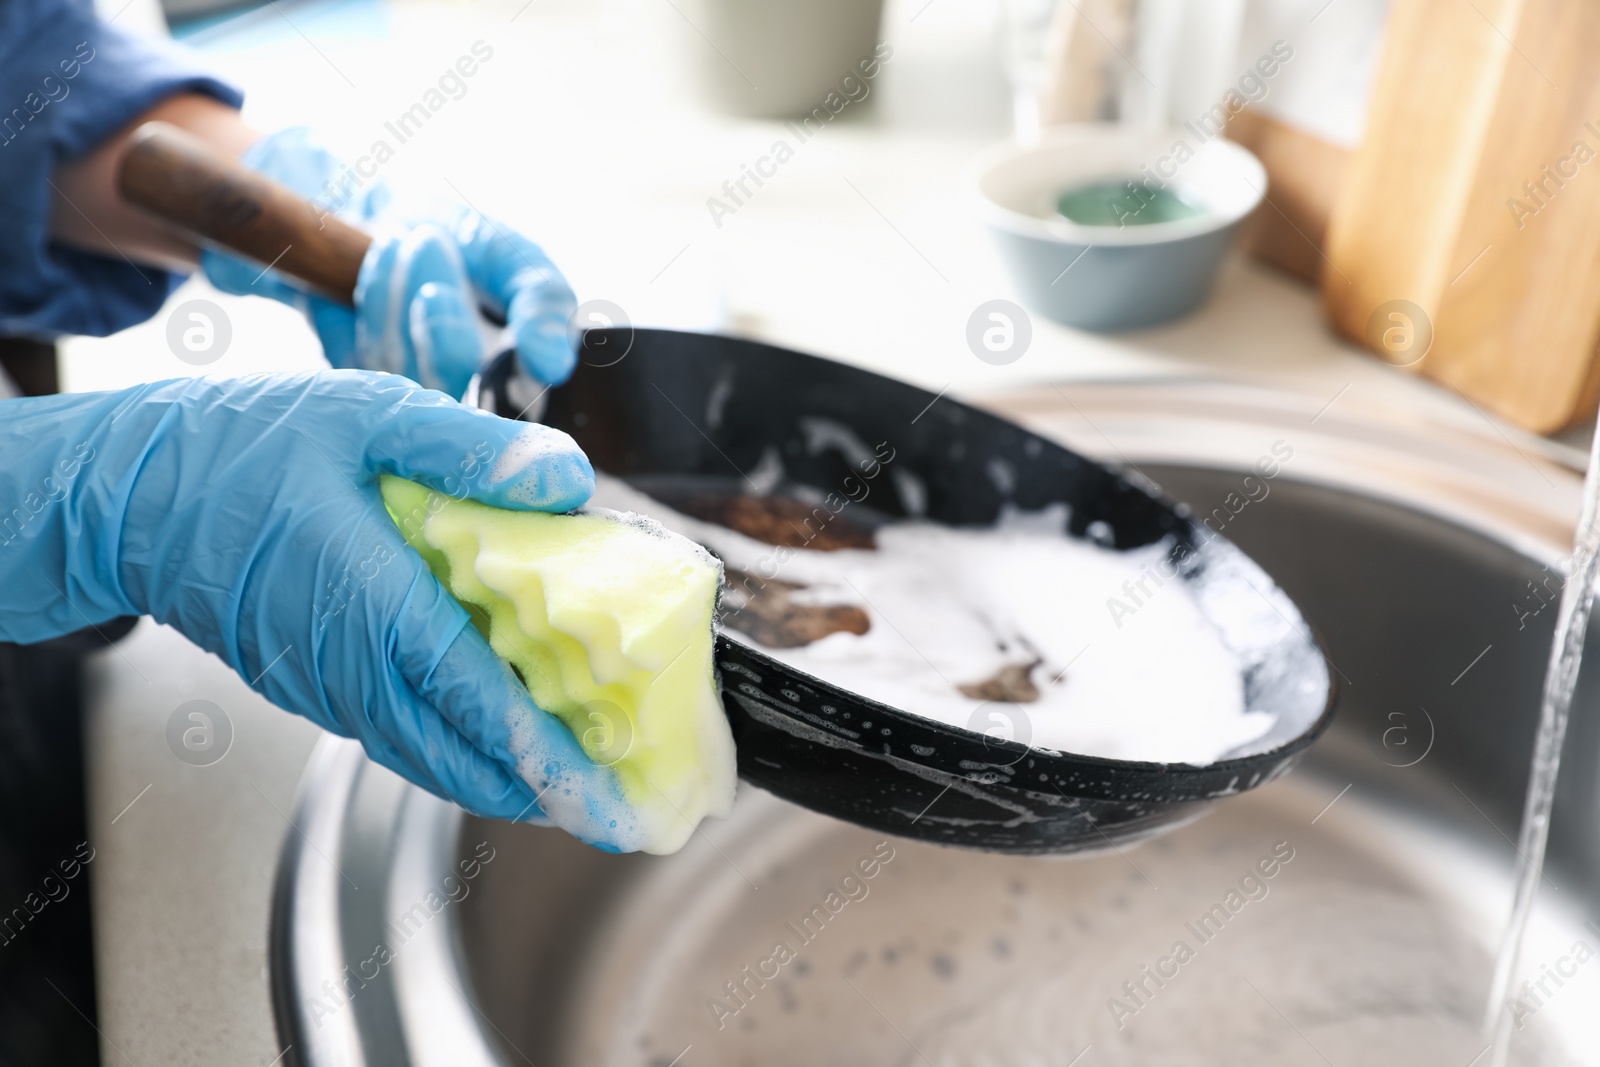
(1400, 332)
(999, 722)
(199, 332)
(607, 733)
(199, 733)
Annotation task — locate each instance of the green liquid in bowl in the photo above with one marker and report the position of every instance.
(1123, 203)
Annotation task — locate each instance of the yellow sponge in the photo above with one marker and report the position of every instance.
(607, 618)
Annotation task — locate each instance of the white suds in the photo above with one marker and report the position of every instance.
(537, 466)
(1124, 663)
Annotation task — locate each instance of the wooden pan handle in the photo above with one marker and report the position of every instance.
(224, 205)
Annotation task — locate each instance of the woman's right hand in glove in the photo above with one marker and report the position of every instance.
(245, 513)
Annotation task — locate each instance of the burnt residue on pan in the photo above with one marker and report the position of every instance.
(765, 608)
(781, 521)
(766, 611)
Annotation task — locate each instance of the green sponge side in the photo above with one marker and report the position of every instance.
(608, 621)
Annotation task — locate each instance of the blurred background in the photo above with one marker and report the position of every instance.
(616, 133)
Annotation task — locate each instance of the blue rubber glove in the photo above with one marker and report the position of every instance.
(420, 285)
(246, 514)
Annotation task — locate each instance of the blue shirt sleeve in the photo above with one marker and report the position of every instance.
(68, 82)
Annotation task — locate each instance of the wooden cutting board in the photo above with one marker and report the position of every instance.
(1304, 172)
(1475, 197)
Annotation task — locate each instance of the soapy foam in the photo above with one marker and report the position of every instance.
(1151, 680)
(531, 444)
(541, 462)
(569, 793)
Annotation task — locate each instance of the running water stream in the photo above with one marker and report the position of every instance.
(1561, 677)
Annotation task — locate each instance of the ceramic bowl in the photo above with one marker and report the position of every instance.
(1109, 277)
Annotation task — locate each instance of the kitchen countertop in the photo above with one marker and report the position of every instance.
(862, 248)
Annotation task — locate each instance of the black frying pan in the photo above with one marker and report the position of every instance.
(660, 407)
(640, 403)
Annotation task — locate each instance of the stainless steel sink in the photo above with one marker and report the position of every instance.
(1409, 547)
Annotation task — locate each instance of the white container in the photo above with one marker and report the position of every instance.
(775, 58)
